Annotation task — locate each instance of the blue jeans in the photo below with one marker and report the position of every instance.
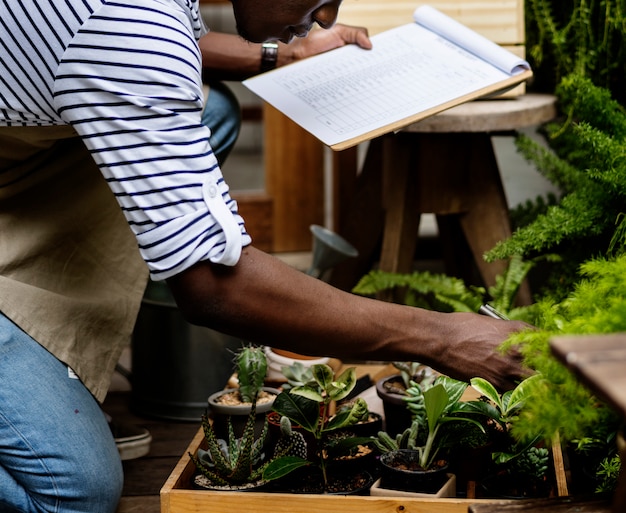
(223, 116)
(57, 453)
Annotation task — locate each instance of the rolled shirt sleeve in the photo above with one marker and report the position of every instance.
(130, 85)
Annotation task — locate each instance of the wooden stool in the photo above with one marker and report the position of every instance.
(443, 165)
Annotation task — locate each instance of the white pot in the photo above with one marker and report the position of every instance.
(447, 490)
(275, 363)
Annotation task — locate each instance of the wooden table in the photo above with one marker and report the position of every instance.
(599, 361)
(444, 165)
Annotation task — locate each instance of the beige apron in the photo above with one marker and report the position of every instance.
(70, 271)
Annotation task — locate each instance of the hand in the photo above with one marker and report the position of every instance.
(472, 349)
(319, 41)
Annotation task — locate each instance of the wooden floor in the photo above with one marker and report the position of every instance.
(145, 476)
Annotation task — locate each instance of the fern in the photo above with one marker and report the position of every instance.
(583, 37)
(587, 161)
(424, 290)
(563, 405)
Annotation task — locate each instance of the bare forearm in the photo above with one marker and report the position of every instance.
(264, 301)
(230, 57)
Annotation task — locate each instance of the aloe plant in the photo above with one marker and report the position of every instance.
(243, 460)
(235, 461)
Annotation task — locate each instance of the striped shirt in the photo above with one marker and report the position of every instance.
(126, 75)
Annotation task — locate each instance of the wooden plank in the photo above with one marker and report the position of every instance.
(599, 361)
(294, 178)
(257, 210)
(142, 504)
(556, 505)
(500, 21)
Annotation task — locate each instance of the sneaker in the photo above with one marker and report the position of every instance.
(132, 441)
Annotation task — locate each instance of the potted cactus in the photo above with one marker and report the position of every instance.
(236, 402)
(238, 463)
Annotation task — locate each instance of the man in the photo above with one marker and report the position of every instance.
(100, 131)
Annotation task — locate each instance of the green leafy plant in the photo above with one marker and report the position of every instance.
(443, 293)
(522, 456)
(560, 403)
(434, 405)
(242, 460)
(608, 473)
(232, 462)
(411, 371)
(308, 406)
(423, 289)
(577, 37)
(502, 408)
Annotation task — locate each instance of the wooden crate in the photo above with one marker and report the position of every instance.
(178, 497)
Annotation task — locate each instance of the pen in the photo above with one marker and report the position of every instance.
(492, 312)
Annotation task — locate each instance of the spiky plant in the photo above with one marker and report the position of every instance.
(232, 462)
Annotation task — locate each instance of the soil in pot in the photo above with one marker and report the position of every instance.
(309, 480)
(227, 404)
(400, 470)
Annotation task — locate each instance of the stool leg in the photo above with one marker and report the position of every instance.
(486, 220)
(401, 212)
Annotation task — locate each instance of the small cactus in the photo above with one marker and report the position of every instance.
(251, 366)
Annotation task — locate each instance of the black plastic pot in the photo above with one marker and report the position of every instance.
(397, 415)
(399, 470)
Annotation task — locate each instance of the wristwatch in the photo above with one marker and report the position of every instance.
(269, 56)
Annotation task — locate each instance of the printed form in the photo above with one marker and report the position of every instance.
(348, 92)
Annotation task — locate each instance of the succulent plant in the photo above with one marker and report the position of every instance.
(405, 440)
(290, 443)
(235, 461)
